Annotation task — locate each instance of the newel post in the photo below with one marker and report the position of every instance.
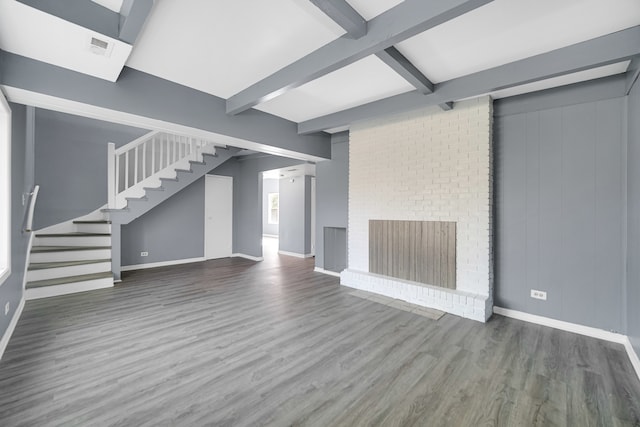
(111, 175)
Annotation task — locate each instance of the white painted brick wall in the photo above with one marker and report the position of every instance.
(427, 166)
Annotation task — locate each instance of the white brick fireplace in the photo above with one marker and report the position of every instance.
(426, 165)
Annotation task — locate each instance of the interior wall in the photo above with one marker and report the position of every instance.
(11, 289)
(295, 215)
(633, 216)
(560, 197)
(71, 164)
(269, 185)
(247, 198)
(332, 193)
(174, 230)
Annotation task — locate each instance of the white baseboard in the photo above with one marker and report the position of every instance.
(161, 264)
(12, 326)
(323, 271)
(577, 329)
(251, 257)
(633, 356)
(68, 288)
(562, 325)
(297, 255)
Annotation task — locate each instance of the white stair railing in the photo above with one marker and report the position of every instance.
(142, 162)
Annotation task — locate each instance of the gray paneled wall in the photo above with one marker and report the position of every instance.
(269, 185)
(11, 288)
(560, 182)
(71, 164)
(335, 249)
(633, 231)
(174, 230)
(332, 198)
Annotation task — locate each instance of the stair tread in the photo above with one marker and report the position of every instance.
(153, 188)
(103, 221)
(109, 210)
(70, 279)
(35, 249)
(73, 234)
(34, 266)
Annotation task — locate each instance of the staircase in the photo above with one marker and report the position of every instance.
(75, 261)
(76, 256)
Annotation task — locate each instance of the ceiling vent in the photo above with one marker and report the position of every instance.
(100, 47)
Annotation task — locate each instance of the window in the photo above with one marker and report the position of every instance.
(274, 208)
(5, 189)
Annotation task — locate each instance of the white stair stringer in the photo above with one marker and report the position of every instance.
(153, 196)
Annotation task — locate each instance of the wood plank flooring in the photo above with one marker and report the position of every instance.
(237, 343)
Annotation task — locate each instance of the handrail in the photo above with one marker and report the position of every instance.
(133, 144)
(32, 205)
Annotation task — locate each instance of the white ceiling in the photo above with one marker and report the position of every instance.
(508, 30)
(369, 9)
(30, 32)
(581, 76)
(114, 5)
(222, 47)
(370, 79)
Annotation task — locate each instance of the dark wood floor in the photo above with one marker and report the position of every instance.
(233, 342)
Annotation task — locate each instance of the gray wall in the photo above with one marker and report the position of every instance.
(247, 198)
(71, 164)
(633, 230)
(560, 197)
(268, 186)
(11, 288)
(295, 215)
(332, 192)
(173, 230)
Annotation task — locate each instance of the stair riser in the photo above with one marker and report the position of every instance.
(69, 288)
(74, 270)
(70, 255)
(73, 241)
(93, 228)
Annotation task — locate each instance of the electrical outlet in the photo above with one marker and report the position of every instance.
(7, 306)
(145, 253)
(538, 294)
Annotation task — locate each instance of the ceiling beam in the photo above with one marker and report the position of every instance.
(608, 49)
(344, 15)
(399, 23)
(142, 100)
(632, 74)
(133, 15)
(84, 13)
(401, 65)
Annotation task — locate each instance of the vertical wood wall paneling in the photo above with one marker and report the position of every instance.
(420, 251)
